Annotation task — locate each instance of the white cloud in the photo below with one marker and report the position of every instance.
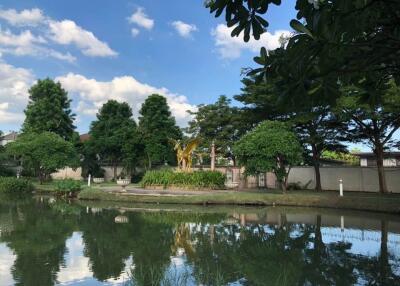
(141, 19)
(135, 32)
(231, 47)
(185, 30)
(50, 32)
(93, 94)
(14, 86)
(25, 43)
(68, 32)
(26, 17)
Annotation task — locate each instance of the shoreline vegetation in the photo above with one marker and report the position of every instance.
(327, 199)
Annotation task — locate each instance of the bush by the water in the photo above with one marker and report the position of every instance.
(197, 180)
(14, 185)
(68, 187)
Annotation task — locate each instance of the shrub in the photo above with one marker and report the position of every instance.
(68, 187)
(98, 172)
(6, 172)
(198, 179)
(13, 185)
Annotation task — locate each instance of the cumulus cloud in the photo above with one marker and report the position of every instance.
(184, 30)
(50, 32)
(135, 32)
(68, 32)
(231, 47)
(141, 19)
(14, 86)
(25, 43)
(26, 17)
(93, 94)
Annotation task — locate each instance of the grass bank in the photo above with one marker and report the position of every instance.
(351, 201)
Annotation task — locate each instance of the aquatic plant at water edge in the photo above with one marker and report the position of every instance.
(68, 186)
(15, 185)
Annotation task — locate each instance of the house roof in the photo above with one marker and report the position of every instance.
(10, 136)
(84, 137)
(371, 154)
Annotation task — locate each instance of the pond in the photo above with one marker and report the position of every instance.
(47, 242)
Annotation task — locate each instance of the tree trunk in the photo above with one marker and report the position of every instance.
(212, 156)
(149, 161)
(41, 177)
(115, 171)
(316, 158)
(283, 186)
(381, 171)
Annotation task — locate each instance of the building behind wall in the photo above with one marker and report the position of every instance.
(390, 159)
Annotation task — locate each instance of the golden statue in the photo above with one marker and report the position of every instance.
(184, 153)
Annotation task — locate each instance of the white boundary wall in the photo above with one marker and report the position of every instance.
(356, 179)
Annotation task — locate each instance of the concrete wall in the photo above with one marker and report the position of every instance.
(68, 173)
(109, 172)
(356, 179)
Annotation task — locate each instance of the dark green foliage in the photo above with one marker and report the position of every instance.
(198, 179)
(68, 187)
(157, 126)
(113, 138)
(218, 123)
(271, 146)
(89, 160)
(330, 37)
(12, 185)
(98, 172)
(49, 110)
(6, 172)
(44, 153)
(243, 15)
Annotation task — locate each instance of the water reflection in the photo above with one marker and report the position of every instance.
(44, 243)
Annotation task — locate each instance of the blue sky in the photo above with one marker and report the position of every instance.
(123, 50)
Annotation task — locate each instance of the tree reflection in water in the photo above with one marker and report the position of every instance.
(181, 248)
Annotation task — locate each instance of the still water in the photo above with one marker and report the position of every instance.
(46, 242)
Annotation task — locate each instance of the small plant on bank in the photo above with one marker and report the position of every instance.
(13, 185)
(68, 187)
(194, 180)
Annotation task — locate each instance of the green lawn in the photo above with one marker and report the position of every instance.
(49, 187)
(354, 201)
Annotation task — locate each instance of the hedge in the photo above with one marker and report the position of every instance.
(193, 180)
(12, 185)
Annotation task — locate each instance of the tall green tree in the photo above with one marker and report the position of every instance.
(373, 111)
(112, 134)
(49, 110)
(271, 146)
(157, 126)
(218, 123)
(43, 153)
(313, 121)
